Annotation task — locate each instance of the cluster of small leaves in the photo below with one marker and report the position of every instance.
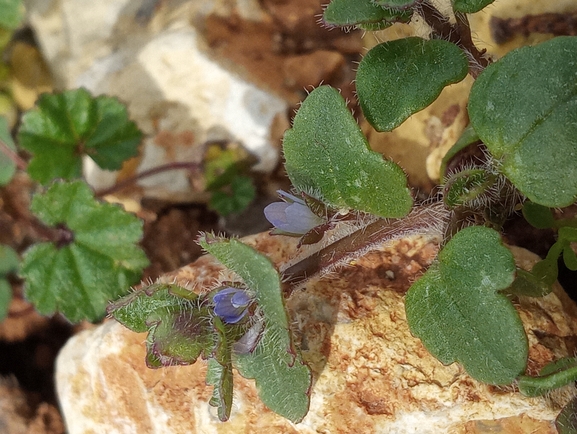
(91, 255)
(232, 190)
(183, 326)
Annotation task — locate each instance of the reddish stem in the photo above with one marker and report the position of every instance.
(150, 172)
(12, 155)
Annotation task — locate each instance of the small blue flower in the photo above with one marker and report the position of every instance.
(291, 217)
(231, 304)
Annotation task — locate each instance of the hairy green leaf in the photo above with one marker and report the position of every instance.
(398, 78)
(566, 422)
(524, 108)
(470, 6)
(65, 126)
(328, 157)
(354, 12)
(456, 309)
(282, 379)
(95, 260)
(396, 4)
(7, 166)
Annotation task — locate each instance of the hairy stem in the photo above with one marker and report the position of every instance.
(429, 219)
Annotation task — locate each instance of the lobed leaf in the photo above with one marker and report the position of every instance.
(456, 309)
(282, 379)
(98, 263)
(64, 127)
(328, 157)
(524, 108)
(398, 78)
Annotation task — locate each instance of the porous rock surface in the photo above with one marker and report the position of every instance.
(370, 374)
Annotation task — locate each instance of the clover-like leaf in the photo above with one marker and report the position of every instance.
(65, 126)
(328, 157)
(524, 108)
(282, 379)
(7, 166)
(398, 78)
(456, 309)
(354, 12)
(470, 6)
(96, 260)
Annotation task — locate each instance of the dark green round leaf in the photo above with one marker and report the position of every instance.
(64, 127)
(470, 6)
(354, 12)
(99, 264)
(537, 215)
(456, 308)
(524, 108)
(328, 157)
(398, 78)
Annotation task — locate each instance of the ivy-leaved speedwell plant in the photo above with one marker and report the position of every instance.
(523, 111)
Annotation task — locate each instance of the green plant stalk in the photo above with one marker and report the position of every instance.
(536, 386)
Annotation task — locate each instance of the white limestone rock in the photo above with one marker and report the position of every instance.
(371, 375)
(176, 92)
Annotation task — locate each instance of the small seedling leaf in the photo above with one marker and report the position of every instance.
(65, 126)
(98, 262)
(457, 311)
(524, 108)
(398, 78)
(328, 157)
